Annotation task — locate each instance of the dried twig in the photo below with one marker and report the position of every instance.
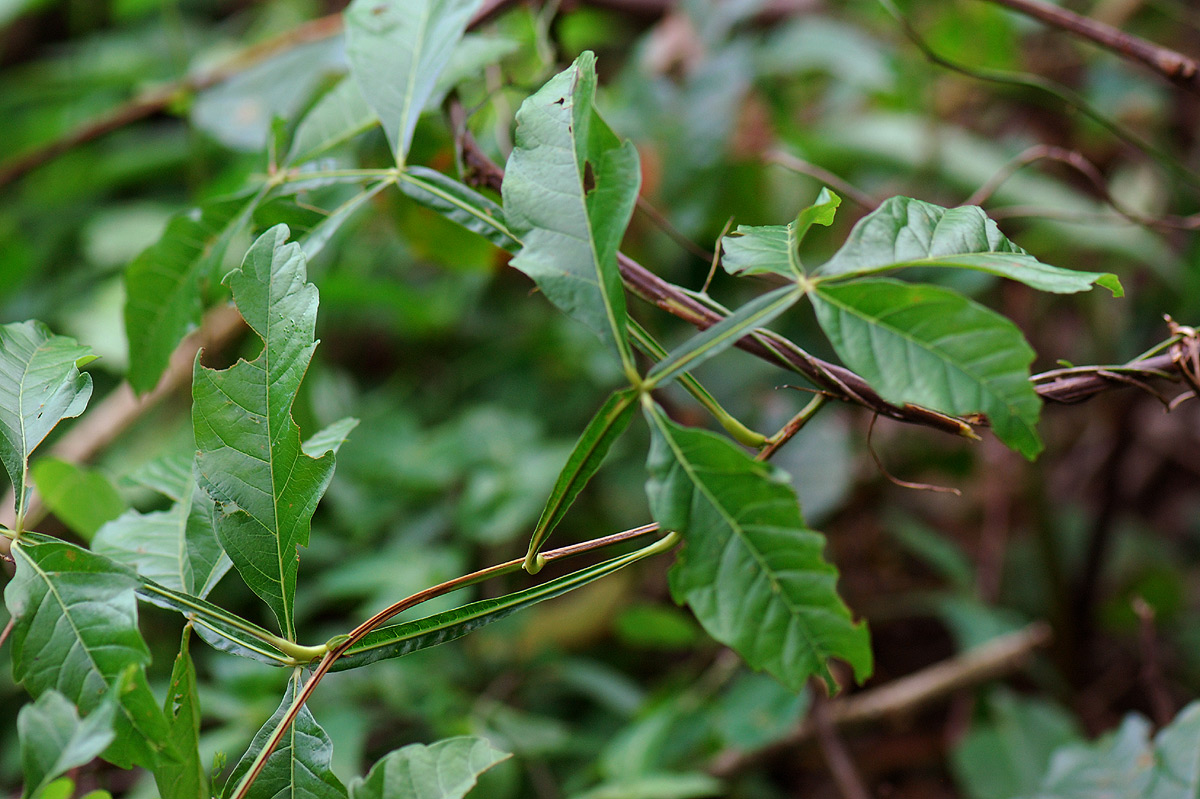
(995, 659)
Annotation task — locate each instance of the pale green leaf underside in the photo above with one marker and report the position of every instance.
(1128, 764)
(754, 575)
(76, 632)
(299, 768)
(249, 457)
(55, 740)
(177, 547)
(397, 50)
(447, 769)
(904, 232)
(40, 385)
(403, 639)
(569, 191)
(930, 346)
(340, 115)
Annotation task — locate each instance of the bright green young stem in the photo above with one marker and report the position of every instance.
(742, 434)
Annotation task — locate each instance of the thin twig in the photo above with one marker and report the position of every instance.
(997, 658)
(1162, 706)
(1174, 66)
(845, 774)
(847, 189)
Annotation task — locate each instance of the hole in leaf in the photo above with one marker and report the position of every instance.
(589, 178)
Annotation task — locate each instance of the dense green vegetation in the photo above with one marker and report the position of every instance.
(451, 396)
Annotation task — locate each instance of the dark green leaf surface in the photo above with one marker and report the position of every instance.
(55, 740)
(162, 285)
(299, 766)
(569, 191)
(906, 232)
(249, 456)
(724, 334)
(40, 385)
(460, 204)
(773, 248)
(754, 575)
(185, 777)
(590, 450)
(445, 770)
(83, 499)
(397, 49)
(76, 632)
(403, 639)
(931, 346)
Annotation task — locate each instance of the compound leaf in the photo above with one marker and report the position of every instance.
(904, 232)
(460, 204)
(931, 346)
(447, 769)
(754, 575)
(569, 191)
(249, 456)
(40, 385)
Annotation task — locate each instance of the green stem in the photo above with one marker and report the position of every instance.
(793, 427)
(742, 434)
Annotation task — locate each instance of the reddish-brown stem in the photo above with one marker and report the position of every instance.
(1175, 67)
(359, 632)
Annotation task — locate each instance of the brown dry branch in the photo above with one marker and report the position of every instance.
(903, 697)
(1174, 66)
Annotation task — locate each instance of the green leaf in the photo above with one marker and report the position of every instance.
(162, 285)
(185, 778)
(445, 770)
(931, 346)
(590, 450)
(76, 632)
(300, 765)
(460, 204)
(773, 248)
(41, 386)
(83, 499)
(904, 232)
(751, 571)
(340, 115)
(218, 627)
(723, 335)
(397, 49)
(403, 639)
(54, 740)
(569, 191)
(177, 547)
(1128, 764)
(249, 456)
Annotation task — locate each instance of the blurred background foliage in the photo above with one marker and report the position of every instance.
(471, 390)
